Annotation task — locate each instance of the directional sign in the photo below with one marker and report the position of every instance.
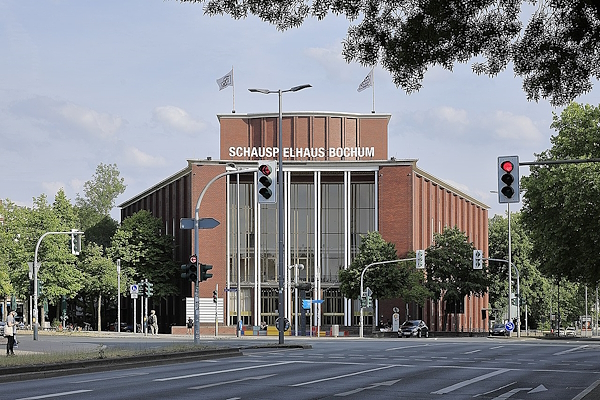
(203, 223)
(230, 290)
(509, 326)
(318, 301)
(369, 291)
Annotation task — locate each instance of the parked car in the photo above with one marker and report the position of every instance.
(568, 332)
(499, 330)
(415, 328)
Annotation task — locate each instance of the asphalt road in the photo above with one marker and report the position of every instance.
(349, 368)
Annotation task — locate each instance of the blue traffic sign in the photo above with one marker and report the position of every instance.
(509, 326)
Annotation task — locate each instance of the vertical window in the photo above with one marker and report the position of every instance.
(332, 225)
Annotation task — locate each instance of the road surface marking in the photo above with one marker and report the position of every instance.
(373, 386)
(469, 382)
(472, 351)
(560, 353)
(342, 376)
(173, 378)
(112, 377)
(249, 378)
(47, 396)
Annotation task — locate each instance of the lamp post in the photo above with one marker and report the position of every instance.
(118, 295)
(280, 267)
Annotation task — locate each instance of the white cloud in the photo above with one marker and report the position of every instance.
(137, 157)
(452, 116)
(508, 126)
(101, 124)
(51, 188)
(171, 117)
(64, 116)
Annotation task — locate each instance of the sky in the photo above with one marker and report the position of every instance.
(133, 83)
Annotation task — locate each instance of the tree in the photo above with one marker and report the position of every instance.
(535, 288)
(560, 210)
(100, 276)
(100, 195)
(449, 267)
(146, 252)
(385, 280)
(555, 53)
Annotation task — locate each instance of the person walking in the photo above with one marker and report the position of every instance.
(190, 325)
(9, 332)
(153, 323)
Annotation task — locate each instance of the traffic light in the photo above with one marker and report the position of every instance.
(149, 289)
(267, 182)
(143, 288)
(508, 179)
(204, 275)
(420, 259)
(75, 243)
(363, 301)
(477, 259)
(214, 296)
(189, 272)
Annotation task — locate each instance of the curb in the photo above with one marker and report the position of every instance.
(30, 372)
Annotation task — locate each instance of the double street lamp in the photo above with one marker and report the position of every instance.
(281, 267)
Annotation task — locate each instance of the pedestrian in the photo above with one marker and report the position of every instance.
(9, 332)
(153, 322)
(190, 325)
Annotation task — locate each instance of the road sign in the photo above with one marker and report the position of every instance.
(133, 289)
(230, 290)
(203, 223)
(193, 259)
(509, 326)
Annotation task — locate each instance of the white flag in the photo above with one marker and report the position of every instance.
(225, 81)
(367, 82)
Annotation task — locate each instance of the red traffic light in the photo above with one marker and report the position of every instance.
(507, 166)
(264, 169)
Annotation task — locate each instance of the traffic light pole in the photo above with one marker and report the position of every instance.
(518, 325)
(35, 278)
(362, 276)
(197, 247)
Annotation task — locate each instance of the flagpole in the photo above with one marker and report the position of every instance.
(373, 79)
(233, 91)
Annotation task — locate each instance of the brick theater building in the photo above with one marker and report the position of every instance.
(339, 184)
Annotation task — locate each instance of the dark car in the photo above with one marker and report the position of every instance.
(416, 328)
(498, 330)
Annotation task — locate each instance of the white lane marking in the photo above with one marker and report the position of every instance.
(560, 353)
(373, 386)
(508, 394)
(47, 396)
(173, 378)
(342, 376)
(407, 347)
(112, 377)
(249, 378)
(472, 351)
(581, 395)
(495, 390)
(469, 382)
(496, 347)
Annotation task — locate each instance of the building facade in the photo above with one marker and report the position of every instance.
(338, 185)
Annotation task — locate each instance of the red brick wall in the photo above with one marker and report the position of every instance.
(213, 242)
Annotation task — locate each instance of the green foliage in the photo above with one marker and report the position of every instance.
(555, 52)
(145, 251)
(560, 210)
(386, 280)
(534, 286)
(449, 267)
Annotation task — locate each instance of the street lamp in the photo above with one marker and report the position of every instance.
(280, 267)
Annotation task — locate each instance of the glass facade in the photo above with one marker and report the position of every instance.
(325, 214)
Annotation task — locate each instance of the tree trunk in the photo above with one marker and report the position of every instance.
(99, 309)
